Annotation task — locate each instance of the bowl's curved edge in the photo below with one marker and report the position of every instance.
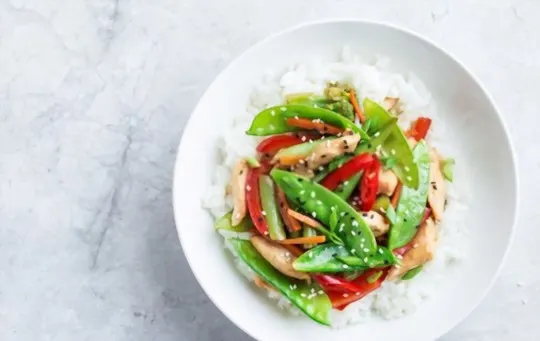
(403, 30)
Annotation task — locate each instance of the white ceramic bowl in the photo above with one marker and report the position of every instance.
(493, 174)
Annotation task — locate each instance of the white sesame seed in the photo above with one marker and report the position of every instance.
(291, 286)
(399, 256)
(366, 250)
(409, 178)
(303, 295)
(320, 292)
(314, 214)
(263, 213)
(283, 109)
(302, 192)
(376, 134)
(362, 240)
(365, 259)
(357, 294)
(266, 233)
(271, 126)
(312, 290)
(342, 214)
(353, 251)
(415, 246)
(310, 255)
(321, 168)
(345, 266)
(273, 113)
(310, 141)
(315, 106)
(345, 295)
(304, 138)
(296, 117)
(381, 251)
(319, 202)
(393, 151)
(322, 138)
(353, 233)
(345, 183)
(341, 229)
(354, 223)
(407, 169)
(313, 194)
(248, 188)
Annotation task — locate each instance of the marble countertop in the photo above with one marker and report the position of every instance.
(94, 95)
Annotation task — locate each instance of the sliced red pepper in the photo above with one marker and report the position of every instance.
(318, 125)
(341, 300)
(419, 128)
(253, 200)
(346, 171)
(274, 143)
(336, 284)
(369, 185)
(292, 224)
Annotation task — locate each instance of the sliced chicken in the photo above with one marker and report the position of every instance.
(388, 182)
(278, 256)
(437, 187)
(421, 252)
(393, 105)
(412, 142)
(238, 189)
(326, 152)
(376, 222)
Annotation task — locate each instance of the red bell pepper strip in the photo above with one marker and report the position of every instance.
(336, 284)
(277, 142)
(318, 125)
(419, 128)
(341, 300)
(369, 185)
(346, 171)
(253, 200)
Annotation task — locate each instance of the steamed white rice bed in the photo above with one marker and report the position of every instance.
(375, 81)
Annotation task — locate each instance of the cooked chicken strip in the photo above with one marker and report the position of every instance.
(388, 182)
(422, 251)
(392, 105)
(278, 256)
(376, 222)
(238, 188)
(437, 187)
(326, 152)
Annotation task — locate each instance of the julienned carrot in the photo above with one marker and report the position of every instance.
(357, 110)
(396, 195)
(290, 160)
(304, 219)
(304, 240)
(262, 283)
(317, 125)
(292, 224)
(295, 250)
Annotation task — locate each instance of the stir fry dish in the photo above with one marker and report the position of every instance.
(337, 200)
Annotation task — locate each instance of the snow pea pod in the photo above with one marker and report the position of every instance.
(317, 307)
(395, 145)
(318, 202)
(412, 273)
(341, 106)
(331, 258)
(273, 120)
(345, 190)
(412, 202)
(269, 204)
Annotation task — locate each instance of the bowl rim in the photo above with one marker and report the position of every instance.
(383, 24)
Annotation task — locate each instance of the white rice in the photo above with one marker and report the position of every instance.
(375, 81)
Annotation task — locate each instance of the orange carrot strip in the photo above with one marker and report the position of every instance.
(292, 224)
(262, 284)
(320, 126)
(295, 250)
(304, 240)
(357, 110)
(396, 195)
(291, 160)
(304, 219)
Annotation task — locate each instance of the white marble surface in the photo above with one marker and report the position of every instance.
(94, 95)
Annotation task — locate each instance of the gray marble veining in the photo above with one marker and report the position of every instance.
(94, 95)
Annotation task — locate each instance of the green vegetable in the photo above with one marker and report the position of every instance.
(351, 276)
(391, 214)
(389, 162)
(273, 120)
(382, 203)
(448, 169)
(412, 202)
(270, 208)
(330, 258)
(412, 273)
(341, 106)
(317, 201)
(374, 277)
(308, 232)
(333, 219)
(303, 149)
(395, 145)
(345, 190)
(316, 307)
(224, 223)
(252, 162)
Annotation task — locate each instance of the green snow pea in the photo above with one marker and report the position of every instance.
(224, 223)
(382, 203)
(308, 232)
(302, 149)
(345, 190)
(341, 106)
(412, 273)
(395, 145)
(412, 202)
(317, 201)
(270, 208)
(316, 307)
(331, 258)
(273, 120)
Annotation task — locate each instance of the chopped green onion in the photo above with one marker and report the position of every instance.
(224, 223)
(412, 273)
(374, 277)
(448, 169)
(252, 162)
